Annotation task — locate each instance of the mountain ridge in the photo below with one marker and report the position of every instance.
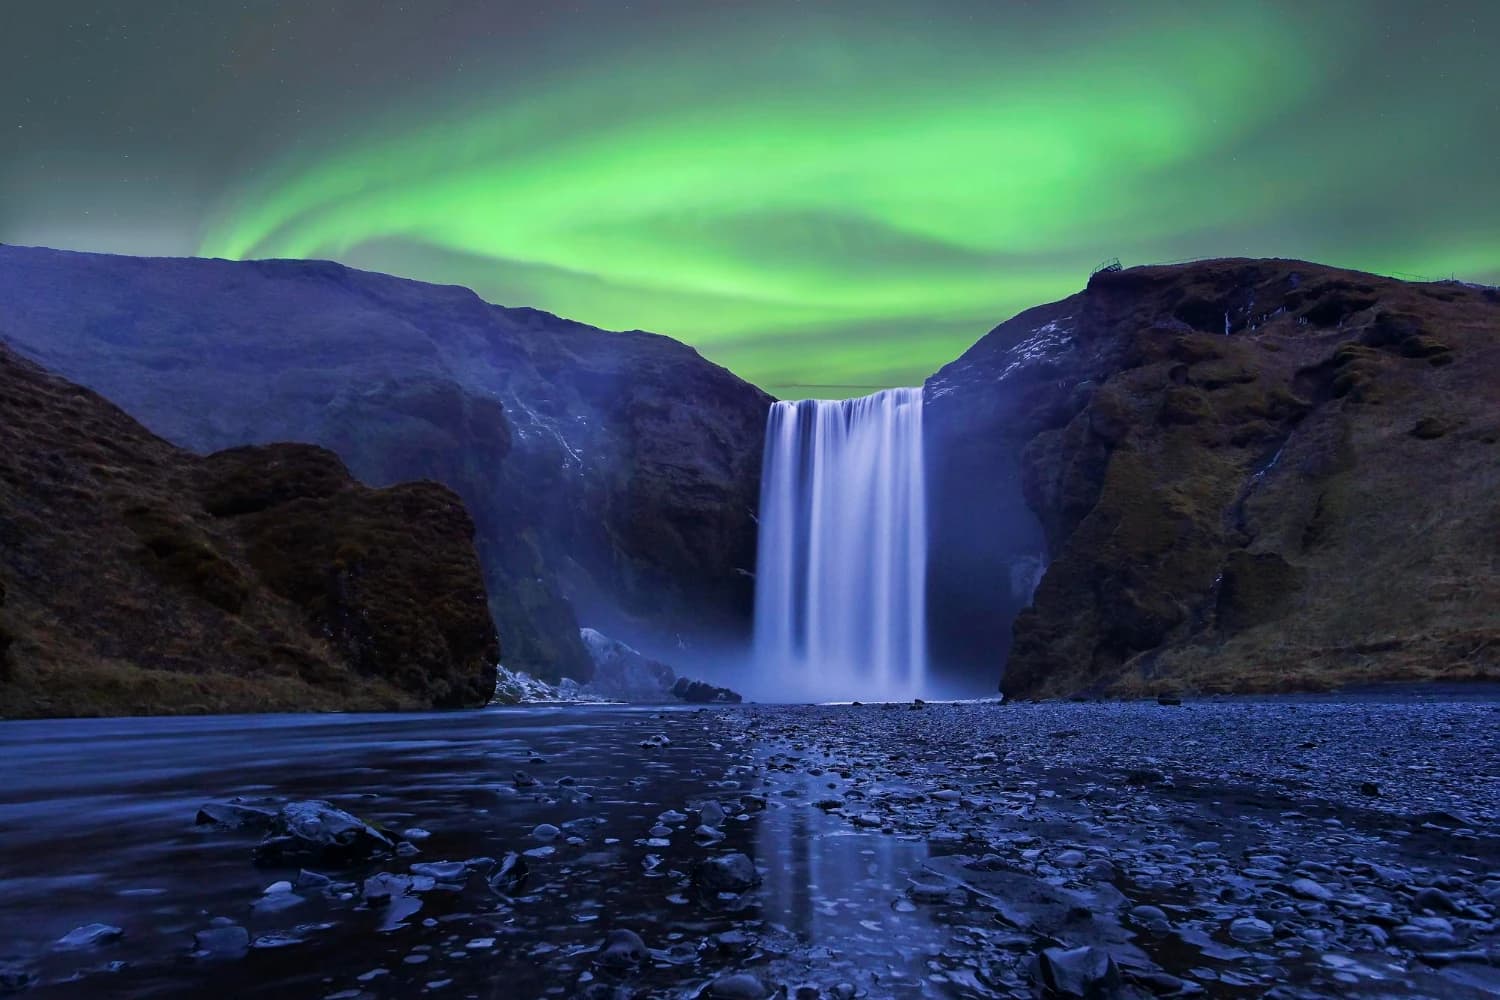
(613, 475)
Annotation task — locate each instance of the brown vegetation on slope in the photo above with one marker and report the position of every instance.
(138, 578)
(1261, 476)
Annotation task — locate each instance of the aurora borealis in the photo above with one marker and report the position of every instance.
(823, 197)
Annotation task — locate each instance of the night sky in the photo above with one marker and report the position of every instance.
(823, 196)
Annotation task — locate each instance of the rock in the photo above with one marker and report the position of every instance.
(711, 814)
(932, 892)
(733, 872)
(236, 815)
(517, 687)
(1100, 871)
(510, 874)
(1369, 788)
(545, 832)
(1435, 900)
(523, 780)
(445, 872)
(312, 880)
(1425, 938)
(1308, 889)
(1250, 930)
(222, 942)
(88, 936)
(701, 692)
(622, 949)
(388, 885)
(319, 831)
(277, 888)
(621, 673)
(1153, 917)
(739, 986)
(1077, 972)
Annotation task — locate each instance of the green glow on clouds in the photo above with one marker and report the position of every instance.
(853, 207)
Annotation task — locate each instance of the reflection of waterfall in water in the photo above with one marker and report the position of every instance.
(840, 599)
(840, 893)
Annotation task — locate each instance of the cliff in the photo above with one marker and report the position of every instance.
(138, 578)
(612, 477)
(1248, 475)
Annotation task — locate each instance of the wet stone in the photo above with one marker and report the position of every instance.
(89, 936)
(622, 949)
(1308, 889)
(733, 872)
(1077, 972)
(740, 986)
(222, 942)
(1435, 900)
(1250, 929)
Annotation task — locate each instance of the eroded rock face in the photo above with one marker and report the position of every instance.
(621, 673)
(612, 477)
(144, 579)
(1250, 475)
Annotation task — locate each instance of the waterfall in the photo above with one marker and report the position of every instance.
(840, 593)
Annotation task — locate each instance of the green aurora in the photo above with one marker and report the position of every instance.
(848, 197)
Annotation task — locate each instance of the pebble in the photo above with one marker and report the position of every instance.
(1250, 929)
(1308, 889)
(739, 986)
(733, 872)
(622, 949)
(89, 936)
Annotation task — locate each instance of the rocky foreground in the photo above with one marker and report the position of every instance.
(138, 578)
(1226, 849)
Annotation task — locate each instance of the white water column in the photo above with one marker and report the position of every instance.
(840, 593)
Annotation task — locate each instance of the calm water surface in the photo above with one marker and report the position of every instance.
(97, 826)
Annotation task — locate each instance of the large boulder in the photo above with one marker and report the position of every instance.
(612, 477)
(1246, 476)
(622, 673)
(315, 831)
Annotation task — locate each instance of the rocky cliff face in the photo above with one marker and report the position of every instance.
(138, 578)
(612, 477)
(1250, 475)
